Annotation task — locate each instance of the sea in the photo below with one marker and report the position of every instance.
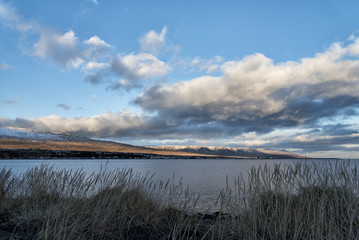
(204, 178)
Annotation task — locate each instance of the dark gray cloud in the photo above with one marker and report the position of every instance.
(12, 101)
(128, 71)
(63, 106)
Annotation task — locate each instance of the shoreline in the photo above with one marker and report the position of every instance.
(7, 154)
(72, 154)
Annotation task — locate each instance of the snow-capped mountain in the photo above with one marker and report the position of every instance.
(230, 151)
(22, 133)
(27, 137)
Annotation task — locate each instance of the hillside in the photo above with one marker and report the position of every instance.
(35, 143)
(26, 139)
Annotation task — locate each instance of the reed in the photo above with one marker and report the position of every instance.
(297, 201)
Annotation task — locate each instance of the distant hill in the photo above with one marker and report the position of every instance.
(235, 152)
(38, 142)
(16, 138)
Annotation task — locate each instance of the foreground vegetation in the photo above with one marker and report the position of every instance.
(298, 201)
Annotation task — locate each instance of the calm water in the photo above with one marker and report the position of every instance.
(204, 177)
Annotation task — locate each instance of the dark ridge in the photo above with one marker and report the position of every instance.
(66, 154)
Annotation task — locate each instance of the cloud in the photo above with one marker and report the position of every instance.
(140, 66)
(324, 143)
(13, 20)
(60, 48)
(256, 95)
(12, 101)
(94, 1)
(96, 41)
(95, 66)
(4, 66)
(93, 56)
(128, 71)
(63, 106)
(63, 49)
(209, 65)
(153, 42)
(96, 49)
(106, 125)
(312, 140)
(67, 51)
(94, 97)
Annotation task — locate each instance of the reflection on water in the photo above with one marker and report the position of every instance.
(204, 177)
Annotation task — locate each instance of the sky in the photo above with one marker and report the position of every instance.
(265, 74)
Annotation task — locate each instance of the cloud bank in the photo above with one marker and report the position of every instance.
(105, 125)
(255, 94)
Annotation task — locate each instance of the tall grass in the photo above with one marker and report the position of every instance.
(296, 201)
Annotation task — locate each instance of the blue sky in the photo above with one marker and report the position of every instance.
(267, 74)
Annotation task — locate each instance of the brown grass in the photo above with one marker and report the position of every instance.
(300, 201)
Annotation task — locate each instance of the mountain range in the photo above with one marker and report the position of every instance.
(14, 140)
(233, 152)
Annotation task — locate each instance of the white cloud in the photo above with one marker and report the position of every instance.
(94, 1)
(104, 125)
(256, 87)
(209, 65)
(60, 48)
(64, 49)
(306, 138)
(15, 21)
(97, 42)
(350, 146)
(140, 66)
(130, 70)
(255, 143)
(126, 71)
(153, 42)
(96, 49)
(353, 48)
(95, 66)
(93, 54)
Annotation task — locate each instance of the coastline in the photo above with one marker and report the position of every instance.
(73, 154)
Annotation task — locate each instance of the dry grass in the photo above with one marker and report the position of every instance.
(299, 201)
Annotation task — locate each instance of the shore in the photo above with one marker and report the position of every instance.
(72, 154)
(299, 201)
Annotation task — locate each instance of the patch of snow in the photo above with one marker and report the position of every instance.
(27, 134)
(23, 133)
(245, 151)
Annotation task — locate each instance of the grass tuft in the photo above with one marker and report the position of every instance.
(298, 201)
